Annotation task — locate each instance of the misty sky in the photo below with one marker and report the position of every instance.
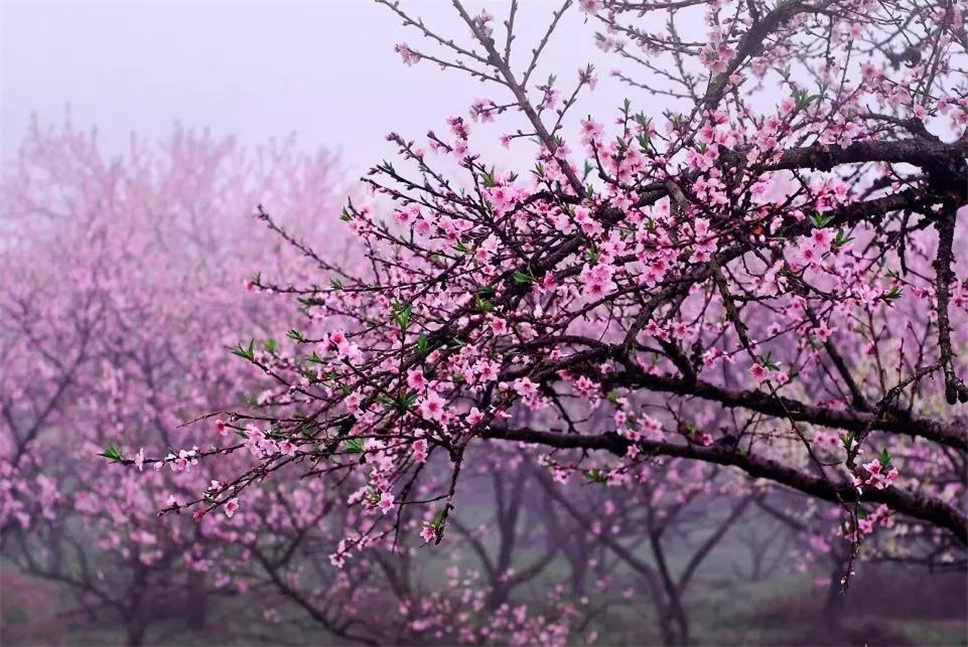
(324, 69)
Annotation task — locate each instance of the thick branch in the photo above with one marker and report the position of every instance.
(913, 505)
(848, 420)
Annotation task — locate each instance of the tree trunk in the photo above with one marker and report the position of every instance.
(196, 611)
(833, 606)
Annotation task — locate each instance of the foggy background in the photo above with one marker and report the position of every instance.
(326, 71)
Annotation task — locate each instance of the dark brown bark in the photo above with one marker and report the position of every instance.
(917, 506)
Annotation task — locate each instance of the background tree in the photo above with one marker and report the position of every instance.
(124, 287)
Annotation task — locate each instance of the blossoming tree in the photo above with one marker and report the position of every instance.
(122, 290)
(759, 264)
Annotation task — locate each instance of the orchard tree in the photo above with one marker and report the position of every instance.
(392, 592)
(659, 514)
(124, 285)
(760, 264)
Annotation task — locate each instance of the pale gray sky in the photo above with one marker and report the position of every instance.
(325, 69)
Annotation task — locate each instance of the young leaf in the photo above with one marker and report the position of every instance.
(401, 315)
(246, 353)
(892, 295)
(112, 452)
(884, 458)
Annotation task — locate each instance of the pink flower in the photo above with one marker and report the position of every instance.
(416, 379)
(759, 373)
(221, 427)
(287, 448)
(428, 533)
(525, 387)
(352, 402)
(431, 407)
(822, 238)
(338, 342)
(139, 460)
(487, 371)
(549, 283)
(408, 55)
(585, 387)
(386, 502)
(420, 450)
(807, 253)
(475, 416)
(231, 506)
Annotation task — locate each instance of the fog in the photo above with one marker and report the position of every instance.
(138, 138)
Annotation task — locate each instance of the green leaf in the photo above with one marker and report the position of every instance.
(246, 353)
(270, 345)
(521, 277)
(112, 452)
(488, 178)
(401, 314)
(484, 305)
(848, 440)
(802, 99)
(884, 458)
(336, 283)
(295, 335)
(406, 402)
(820, 221)
(422, 344)
(354, 446)
(596, 475)
(613, 396)
(842, 239)
(893, 294)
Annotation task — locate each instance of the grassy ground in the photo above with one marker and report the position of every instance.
(784, 610)
(885, 608)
